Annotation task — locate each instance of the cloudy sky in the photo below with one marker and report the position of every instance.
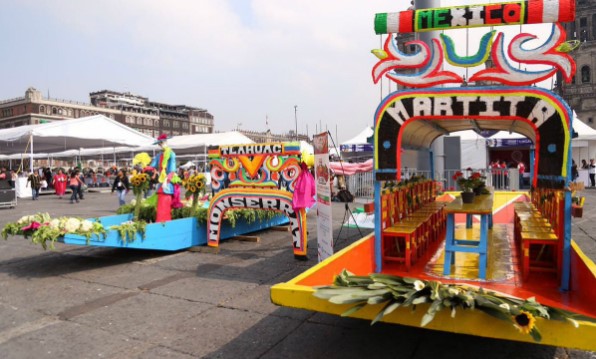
(243, 60)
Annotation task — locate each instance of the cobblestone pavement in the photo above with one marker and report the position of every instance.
(90, 302)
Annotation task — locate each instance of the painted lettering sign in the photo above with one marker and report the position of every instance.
(288, 148)
(278, 201)
(506, 13)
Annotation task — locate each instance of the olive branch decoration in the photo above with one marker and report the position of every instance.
(395, 291)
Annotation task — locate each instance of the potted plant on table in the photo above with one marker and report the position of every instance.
(466, 185)
(577, 206)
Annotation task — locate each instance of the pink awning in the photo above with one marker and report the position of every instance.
(351, 168)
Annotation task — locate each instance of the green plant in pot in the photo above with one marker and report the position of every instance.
(466, 185)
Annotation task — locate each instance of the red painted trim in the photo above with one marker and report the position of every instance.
(406, 21)
(534, 10)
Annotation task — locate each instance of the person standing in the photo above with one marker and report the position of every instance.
(82, 184)
(521, 169)
(574, 171)
(121, 185)
(60, 183)
(74, 183)
(592, 173)
(585, 165)
(35, 180)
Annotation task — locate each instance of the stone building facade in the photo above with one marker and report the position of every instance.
(149, 117)
(267, 136)
(581, 94)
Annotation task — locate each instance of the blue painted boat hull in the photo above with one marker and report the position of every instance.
(173, 235)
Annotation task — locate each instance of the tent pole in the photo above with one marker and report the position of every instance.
(31, 152)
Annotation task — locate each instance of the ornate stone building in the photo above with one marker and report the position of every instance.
(267, 136)
(581, 94)
(149, 117)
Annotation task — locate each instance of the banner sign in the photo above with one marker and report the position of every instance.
(323, 180)
(504, 142)
(364, 147)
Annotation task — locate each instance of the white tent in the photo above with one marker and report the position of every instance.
(84, 132)
(361, 138)
(584, 145)
(208, 139)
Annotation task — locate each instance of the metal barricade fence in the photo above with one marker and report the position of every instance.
(362, 184)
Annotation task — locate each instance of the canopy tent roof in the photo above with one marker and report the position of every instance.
(360, 138)
(193, 144)
(584, 132)
(88, 132)
(421, 133)
(182, 144)
(208, 139)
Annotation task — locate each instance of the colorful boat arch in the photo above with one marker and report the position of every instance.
(256, 198)
(257, 176)
(537, 113)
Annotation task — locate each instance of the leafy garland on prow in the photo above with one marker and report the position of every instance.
(147, 213)
(394, 292)
(128, 230)
(41, 228)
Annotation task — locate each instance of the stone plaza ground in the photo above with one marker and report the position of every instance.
(91, 302)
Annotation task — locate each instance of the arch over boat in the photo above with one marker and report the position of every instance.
(415, 118)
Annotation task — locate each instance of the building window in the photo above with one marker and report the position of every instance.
(176, 124)
(593, 27)
(54, 111)
(166, 123)
(42, 109)
(590, 120)
(585, 74)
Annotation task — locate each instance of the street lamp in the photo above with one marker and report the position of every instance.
(296, 121)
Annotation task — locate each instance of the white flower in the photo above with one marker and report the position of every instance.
(25, 219)
(419, 285)
(72, 225)
(133, 202)
(55, 223)
(86, 226)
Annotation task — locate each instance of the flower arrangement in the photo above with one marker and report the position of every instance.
(42, 229)
(195, 186)
(394, 292)
(140, 185)
(468, 184)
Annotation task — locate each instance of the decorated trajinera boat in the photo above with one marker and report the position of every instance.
(500, 264)
(252, 189)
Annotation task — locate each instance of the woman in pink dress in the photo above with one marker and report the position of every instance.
(60, 183)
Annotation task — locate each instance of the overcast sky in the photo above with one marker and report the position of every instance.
(242, 60)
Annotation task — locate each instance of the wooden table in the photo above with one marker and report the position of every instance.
(483, 206)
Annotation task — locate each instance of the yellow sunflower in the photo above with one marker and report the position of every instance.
(200, 185)
(524, 322)
(193, 189)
